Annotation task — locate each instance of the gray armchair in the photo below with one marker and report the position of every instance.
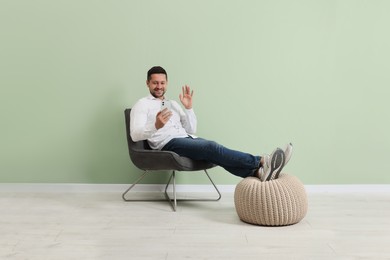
(146, 159)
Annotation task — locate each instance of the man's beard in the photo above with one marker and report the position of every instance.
(156, 96)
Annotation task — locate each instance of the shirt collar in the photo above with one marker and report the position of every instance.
(150, 97)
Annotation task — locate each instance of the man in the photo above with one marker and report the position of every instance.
(166, 126)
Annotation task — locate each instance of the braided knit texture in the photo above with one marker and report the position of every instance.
(278, 202)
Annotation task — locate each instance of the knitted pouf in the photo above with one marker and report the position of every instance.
(278, 202)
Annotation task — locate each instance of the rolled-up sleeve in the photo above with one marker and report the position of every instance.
(189, 121)
(187, 118)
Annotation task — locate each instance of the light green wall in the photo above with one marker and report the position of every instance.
(315, 73)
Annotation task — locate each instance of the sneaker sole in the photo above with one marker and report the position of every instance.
(277, 164)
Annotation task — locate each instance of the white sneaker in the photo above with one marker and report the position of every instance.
(264, 168)
(273, 165)
(288, 152)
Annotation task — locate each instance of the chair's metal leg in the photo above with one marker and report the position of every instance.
(136, 182)
(174, 204)
(174, 191)
(173, 201)
(215, 187)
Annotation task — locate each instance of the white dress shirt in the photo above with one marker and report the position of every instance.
(143, 119)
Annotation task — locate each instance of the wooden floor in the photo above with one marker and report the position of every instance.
(91, 225)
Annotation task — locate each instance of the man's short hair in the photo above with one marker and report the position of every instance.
(156, 70)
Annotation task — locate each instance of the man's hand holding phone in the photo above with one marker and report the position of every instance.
(166, 104)
(164, 115)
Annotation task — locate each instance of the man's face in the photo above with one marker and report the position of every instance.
(157, 85)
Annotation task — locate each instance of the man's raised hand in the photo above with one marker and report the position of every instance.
(186, 96)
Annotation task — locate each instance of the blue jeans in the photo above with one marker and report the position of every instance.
(236, 162)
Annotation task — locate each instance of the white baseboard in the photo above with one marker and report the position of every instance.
(348, 188)
(73, 187)
(82, 187)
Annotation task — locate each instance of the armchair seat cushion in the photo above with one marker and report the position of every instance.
(165, 160)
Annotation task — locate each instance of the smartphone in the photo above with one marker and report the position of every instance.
(166, 104)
